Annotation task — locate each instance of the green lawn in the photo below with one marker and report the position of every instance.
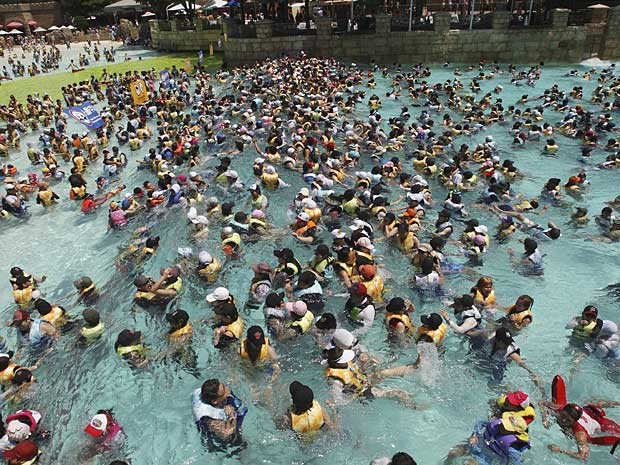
(51, 83)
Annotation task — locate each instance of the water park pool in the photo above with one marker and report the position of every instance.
(153, 404)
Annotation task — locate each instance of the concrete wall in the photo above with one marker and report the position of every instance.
(555, 42)
(45, 13)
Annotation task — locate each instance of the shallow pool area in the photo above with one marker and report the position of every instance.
(153, 404)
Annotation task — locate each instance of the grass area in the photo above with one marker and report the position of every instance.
(51, 83)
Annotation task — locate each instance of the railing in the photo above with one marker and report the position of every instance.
(480, 22)
(401, 24)
(362, 25)
(290, 29)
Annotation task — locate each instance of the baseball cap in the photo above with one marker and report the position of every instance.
(17, 431)
(358, 289)
(338, 234)
(432, 320)
(343, 339)
(219, 294)
(368, 271)
(303, 216)
(365, 242)
(25, 450)
(231, 174)
(97, 426)
(19, 316)
(205, 257)
(298, 308)
(518, 398)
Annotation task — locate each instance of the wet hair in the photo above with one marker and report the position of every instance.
(209, 390)
(273, 300)
(402, 458)
(255, 338)
(427, 265)
(42, 306)
(322, 250)
(22, 376)
(326, 321)
(530, 245)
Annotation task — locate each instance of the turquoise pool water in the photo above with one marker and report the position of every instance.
(153, 404)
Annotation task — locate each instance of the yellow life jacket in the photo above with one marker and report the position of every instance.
(7, 375)
(77, 193)
(305, 323)
(523, 413)
(551, 148)
(177, 285)
(145, 295)
(348, 269)
(407, 244)
(88, 290)
(585, 332)
(259, 202)
(23, 297)
(352, 378)
(403, 318)
(314, 213)
(235, 240)
(319, 266)
(257, 223)
(210, 271)
(310, 420)
(350, 206)
(221, 179)
(375, 211)
(365, 255)
(374, 288)
(340, 175)
(436, 335)
(126, 350)
(236, 328)
(264, 351)
(185, 330)
(271, 181)
(90, 334)
(147, 251)
(487, 301)
(46, 197)
(56, 316)
(518, 317)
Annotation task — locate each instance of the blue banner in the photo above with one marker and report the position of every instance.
(86, 114)
(164, 76)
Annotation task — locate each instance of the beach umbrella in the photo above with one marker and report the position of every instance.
(40, 29)
(54, 28)
(15, 32)
(62, 28)
(32, 22)
(14, 24)
(71, 27)
(148, 14)
(4, 33)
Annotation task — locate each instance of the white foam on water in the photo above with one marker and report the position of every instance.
(430, 363)
(595, 62)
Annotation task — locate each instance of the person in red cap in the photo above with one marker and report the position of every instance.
(516, 403)
(360, 308)
(24, 453)
(104, 428)
(34, 331)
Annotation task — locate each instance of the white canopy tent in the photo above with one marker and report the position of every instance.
(15, 32)
(4, 33)
(54, 28)
(40, 29)
(71, 27)
(215, 4)
(148, 14)
(124, 5)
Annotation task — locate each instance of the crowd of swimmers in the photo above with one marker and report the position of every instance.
(301, 118)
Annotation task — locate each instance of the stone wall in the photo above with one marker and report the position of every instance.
(45, 13)
(556, 42)
(165, 35)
